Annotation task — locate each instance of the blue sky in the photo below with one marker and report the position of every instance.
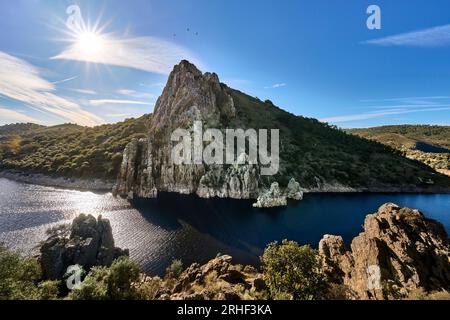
(312, 58)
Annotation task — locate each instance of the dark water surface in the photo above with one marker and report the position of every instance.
(192, 229)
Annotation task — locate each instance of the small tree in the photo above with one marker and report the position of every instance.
(293, 272)
(113, 283)
(175, 269)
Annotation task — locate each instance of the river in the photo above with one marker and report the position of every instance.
(192, 229)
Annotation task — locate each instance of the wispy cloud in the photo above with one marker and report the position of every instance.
(406, 99)
(84, 91)
(101, 102)
(21, 81)
(65, 80)
(143, 53)
(431, 37)
(12, 116)
(276, 85)
(135, 94)
(370, 115)
(153, 85)
(119, 115)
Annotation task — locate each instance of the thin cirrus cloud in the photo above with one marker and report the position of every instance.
(276, 85)
(378, 114)
(12, 116)
(20, 81)
(135, 94)
(406, 99)
(84, 91)
(431, 37)
(65, 80)
(101, 102)
(142, 53)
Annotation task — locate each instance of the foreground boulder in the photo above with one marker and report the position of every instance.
(87, 242)
(399, 251)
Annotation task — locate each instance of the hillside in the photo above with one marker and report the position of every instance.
(320, 157)
(428, 144)
(68, 150)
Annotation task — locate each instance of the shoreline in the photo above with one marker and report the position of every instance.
(95, 185)
(100, 185)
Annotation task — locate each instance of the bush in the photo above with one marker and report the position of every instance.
(175, 269)
(20, 279)
(420, 294)
(293, 272)
(113, 283)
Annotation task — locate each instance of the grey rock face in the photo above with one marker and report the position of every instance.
(147, 168)
(272, 198)
(293, 190)
(399, 251)
(88, 242)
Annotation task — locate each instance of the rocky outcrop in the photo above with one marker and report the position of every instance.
(87, 242)
(400, 250)
(218, 279)
(274, 197)
(293, 190)
(147, 167)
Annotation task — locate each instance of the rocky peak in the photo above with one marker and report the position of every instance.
(191, 95)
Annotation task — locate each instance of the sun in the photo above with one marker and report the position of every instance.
(90, 44)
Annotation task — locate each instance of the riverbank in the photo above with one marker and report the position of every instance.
(106, 186)
(59, 182)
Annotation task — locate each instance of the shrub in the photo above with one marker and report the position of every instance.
(150, 289)
(421, 294)
(293, 272)
(175, 269)
(113, 283)
(49, 290)
(20, 278)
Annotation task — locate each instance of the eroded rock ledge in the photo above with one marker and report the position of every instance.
(400, 250)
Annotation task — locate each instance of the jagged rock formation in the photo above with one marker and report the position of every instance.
(293, 190)
(399, 251)
(87, 242)
(147, 167)
(271, 198)
(218, 279)
(274, 197)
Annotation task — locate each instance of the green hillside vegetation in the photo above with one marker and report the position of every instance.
(316, 153)
(435, 135)
(427, 144)
(69, 150)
